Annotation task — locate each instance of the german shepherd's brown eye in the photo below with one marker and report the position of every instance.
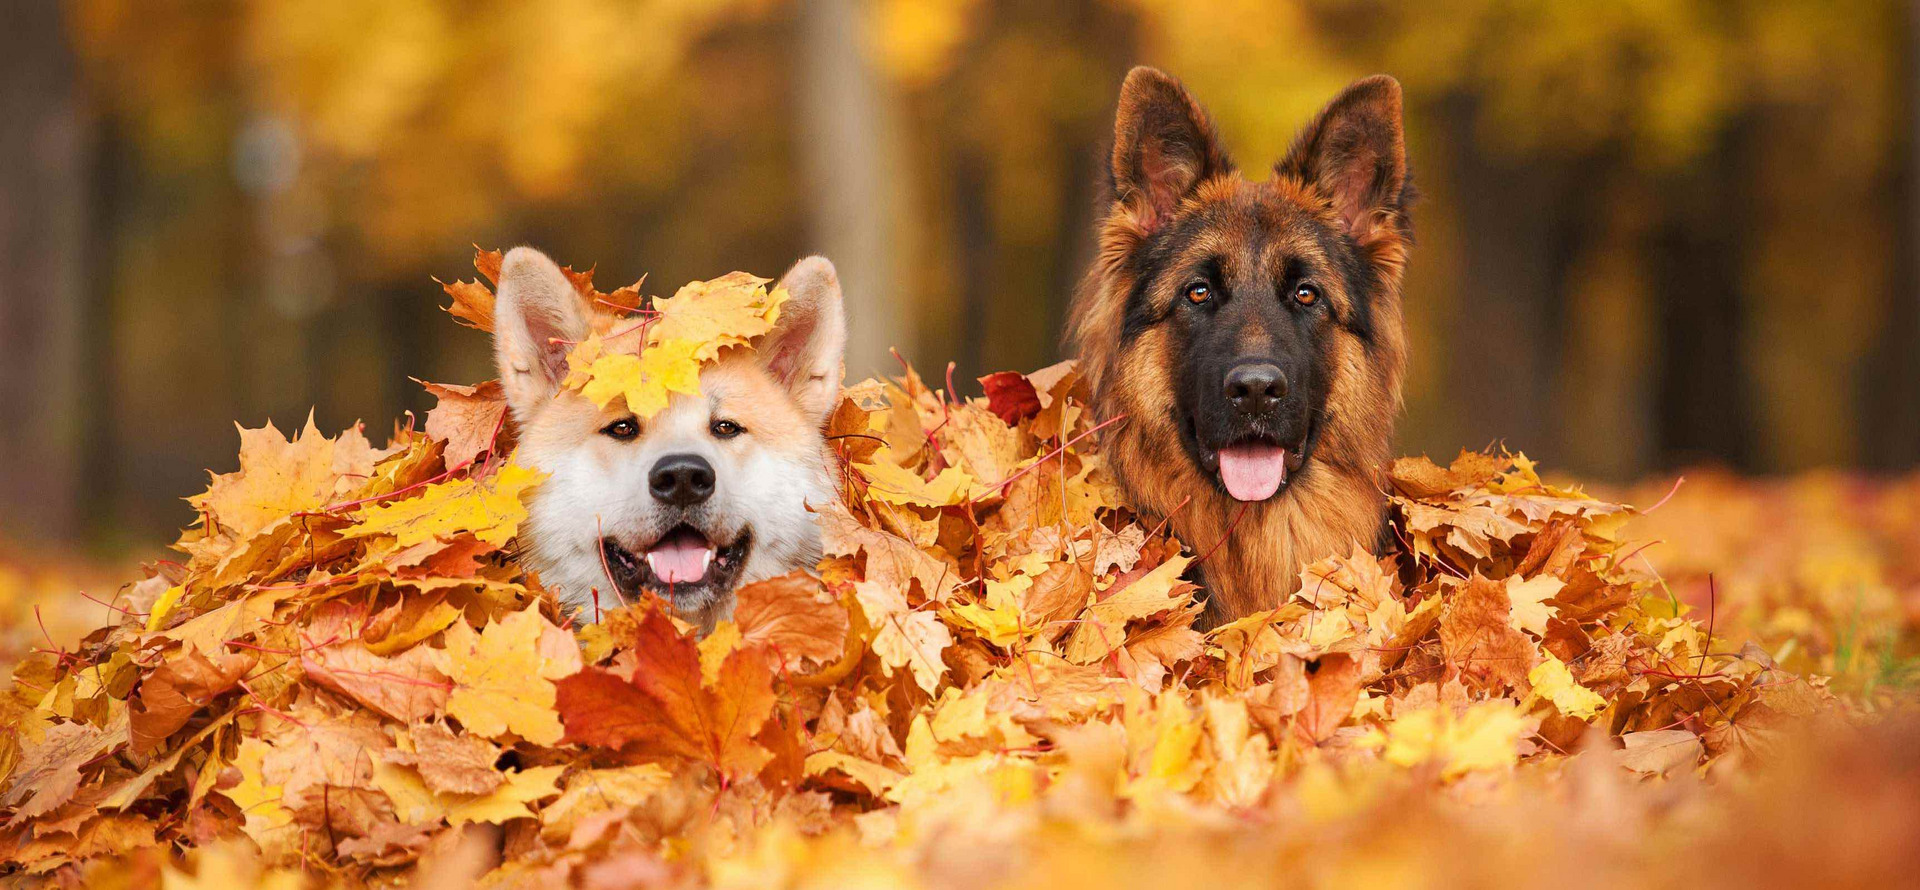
(1199, 292)
(1306, 295)
(623, 430)
(725, 429)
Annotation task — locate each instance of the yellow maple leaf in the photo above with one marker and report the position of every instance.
(646, 381)
(1163, 738)
(230, 864)
(490, 509)
(593, 791)
(904, 638)
(1103, 627)
(714, 649)
(727, 311)
(258, 801)
(895, 484)
(503, 677)
(416, 804)
(163, 607)
(1552, 681)
(1486, 736)
(580, 361)
(1530, 607)
(279, 477)
(690, 328)
(996, 616)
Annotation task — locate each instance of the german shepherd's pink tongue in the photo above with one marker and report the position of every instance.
(1254, 471)
(681, 557)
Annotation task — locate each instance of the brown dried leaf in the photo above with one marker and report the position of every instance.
(1478, 636)
(794, 617)
(467, 418)
(450, 764)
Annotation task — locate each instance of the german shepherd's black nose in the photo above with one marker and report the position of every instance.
(681, 480)
(1255, 388)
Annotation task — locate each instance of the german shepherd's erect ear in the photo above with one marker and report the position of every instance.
(1163, 147)
(537, 317)
(1250, 332)
(806, 350)
(1354, 154)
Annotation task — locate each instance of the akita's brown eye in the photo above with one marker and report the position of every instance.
(622, 430)
(726, 429)
(1199, 292)
(1306, 295)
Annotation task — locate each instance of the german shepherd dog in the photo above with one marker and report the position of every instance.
(1251, 333)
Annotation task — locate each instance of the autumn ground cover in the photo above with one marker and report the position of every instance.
(992, 680)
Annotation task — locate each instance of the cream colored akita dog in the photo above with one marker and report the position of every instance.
(710, 493)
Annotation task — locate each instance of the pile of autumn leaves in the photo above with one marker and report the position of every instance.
(348, 671)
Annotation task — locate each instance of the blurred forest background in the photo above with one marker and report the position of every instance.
(1652, 234)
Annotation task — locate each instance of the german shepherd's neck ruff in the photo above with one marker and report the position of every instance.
(1251, 333)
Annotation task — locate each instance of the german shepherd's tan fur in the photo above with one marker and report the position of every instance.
(1336, 203)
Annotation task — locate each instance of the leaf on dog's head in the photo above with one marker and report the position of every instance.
(727, 311)
(684, 332)
(645, 381)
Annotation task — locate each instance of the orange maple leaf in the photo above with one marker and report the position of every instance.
(659, 704)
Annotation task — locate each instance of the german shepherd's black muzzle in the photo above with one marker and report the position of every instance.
(1250, 411)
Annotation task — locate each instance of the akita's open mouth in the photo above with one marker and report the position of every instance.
(683, 565)
(1254, 469)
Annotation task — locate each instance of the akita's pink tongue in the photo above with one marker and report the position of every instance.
(1253, 472)
(680, 558)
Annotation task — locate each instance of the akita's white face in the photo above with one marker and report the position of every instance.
(710, 493)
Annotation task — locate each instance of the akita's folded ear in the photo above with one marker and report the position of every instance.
(1163, 146)
(1355, 155)
(806, 350)
(537, 317)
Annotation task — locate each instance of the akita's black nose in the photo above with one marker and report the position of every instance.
(681, 480)
(1255, 387)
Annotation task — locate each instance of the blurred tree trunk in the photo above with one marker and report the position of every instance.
(1083, 160)
(42, 292)
(1019, 252)
(1700, 252)
(1891, 409)
(848, 157)
(1085, 150)
(978, 251)
(1524, 234)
